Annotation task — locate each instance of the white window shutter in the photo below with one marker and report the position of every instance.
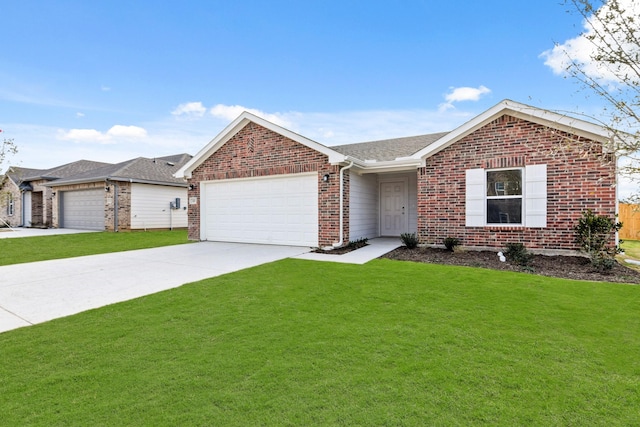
(536, 196)
(475, 198)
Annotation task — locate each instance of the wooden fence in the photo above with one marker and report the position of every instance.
(629, 216)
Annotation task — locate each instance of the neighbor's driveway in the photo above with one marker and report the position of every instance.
(12, 233)
(40, 291)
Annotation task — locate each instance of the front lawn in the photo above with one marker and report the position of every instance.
(313, 343)
(631, 248)
(30, 249)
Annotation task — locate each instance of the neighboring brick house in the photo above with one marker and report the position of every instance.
(12, 190)
(33, 198)
(139, 193)
(515, 173)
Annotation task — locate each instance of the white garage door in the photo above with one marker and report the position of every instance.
(83, 209)
(279, 210)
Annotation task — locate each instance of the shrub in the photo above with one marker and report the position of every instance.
(593, 234)
(517, 254)
(450, 243)
(410, 240)
(356, 244)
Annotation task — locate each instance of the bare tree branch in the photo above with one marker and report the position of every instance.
(612, 71)
(7, 148)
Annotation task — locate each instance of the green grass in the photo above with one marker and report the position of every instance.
(309, 343)
(631, 248)
(30, 249)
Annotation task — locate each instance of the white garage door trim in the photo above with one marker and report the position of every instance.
(278, 209)
(83, 209)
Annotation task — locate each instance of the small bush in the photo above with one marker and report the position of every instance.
(517, 254)
(410, 240)
(451, 243)
(356, 244)
(594, 234)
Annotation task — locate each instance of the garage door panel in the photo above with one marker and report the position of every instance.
(274, 210)
(83, 209)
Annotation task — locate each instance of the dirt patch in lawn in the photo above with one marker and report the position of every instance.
(568, 267)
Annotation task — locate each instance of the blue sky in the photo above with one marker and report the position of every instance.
(113, 80)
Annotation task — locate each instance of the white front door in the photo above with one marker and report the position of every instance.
(26, 209)
(393, 209)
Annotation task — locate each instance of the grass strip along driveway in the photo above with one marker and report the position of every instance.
(308, 343)
(31, 249)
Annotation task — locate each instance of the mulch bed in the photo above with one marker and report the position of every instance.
(569, 267)
(352, 246)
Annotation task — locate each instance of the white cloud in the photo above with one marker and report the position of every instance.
(341, 127)
(581, 50)
(231, 112)
(79, 114)
(190, 109)
(460, 94)
(120, 131)
(117, 133)
(105, 88)
(360, 126)
(83, 135)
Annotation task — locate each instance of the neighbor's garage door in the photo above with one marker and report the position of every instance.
(83, 209)
(280, 210)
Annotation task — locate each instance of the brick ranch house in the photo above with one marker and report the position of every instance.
(135, 194)
(514, 173)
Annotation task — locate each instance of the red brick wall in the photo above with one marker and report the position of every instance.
(576, 181)
(9, 190)
(256, 151)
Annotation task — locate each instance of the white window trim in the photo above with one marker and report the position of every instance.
(520, 196)
(10, 205)
(534, 197)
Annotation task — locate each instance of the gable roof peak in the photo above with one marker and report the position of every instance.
(518, 110)
(240, 123)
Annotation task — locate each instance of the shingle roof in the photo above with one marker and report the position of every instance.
(18, 174)
(388, 149)
(159, 170)
(65, 170)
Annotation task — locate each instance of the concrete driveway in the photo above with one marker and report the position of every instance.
(41, 291)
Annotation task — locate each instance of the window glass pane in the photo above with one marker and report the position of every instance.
(504, 211)
(504, 183)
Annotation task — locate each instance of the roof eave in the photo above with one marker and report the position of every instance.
(545, 117)
(118, 179)
(398, 165)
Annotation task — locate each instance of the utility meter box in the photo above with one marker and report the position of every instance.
(175, 204)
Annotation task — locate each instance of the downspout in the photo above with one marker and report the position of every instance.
(340, 243)
(115, 205)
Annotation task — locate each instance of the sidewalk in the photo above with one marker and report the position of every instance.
(375, 248)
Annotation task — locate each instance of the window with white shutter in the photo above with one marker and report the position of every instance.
(516, 196)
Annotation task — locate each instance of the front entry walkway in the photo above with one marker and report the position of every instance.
(375, 248)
